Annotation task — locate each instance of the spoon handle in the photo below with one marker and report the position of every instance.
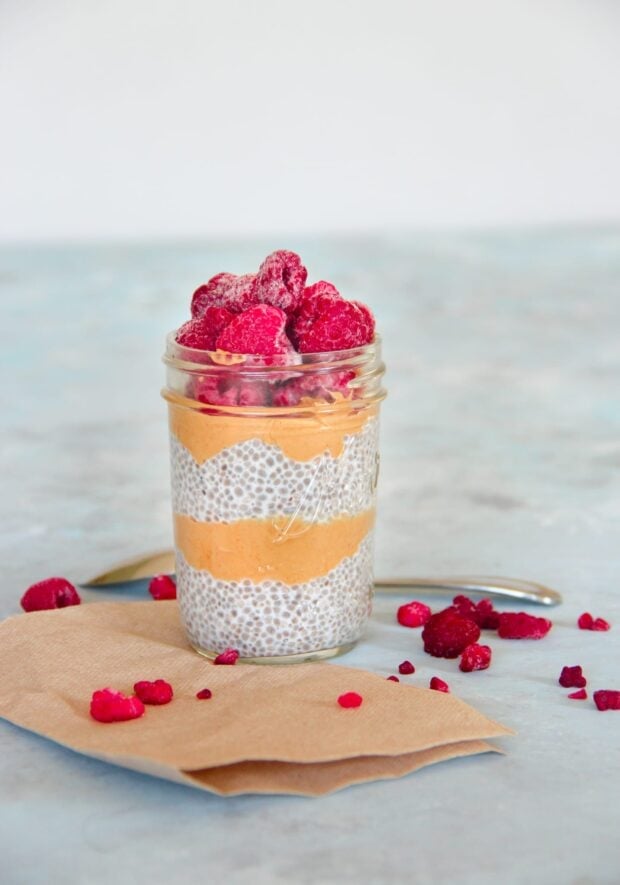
(513, 588)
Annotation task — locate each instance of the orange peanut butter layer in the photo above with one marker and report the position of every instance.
(299, 438)
(279, 549)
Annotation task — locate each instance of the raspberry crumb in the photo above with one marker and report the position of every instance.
(413, 614)
(107, 705)
(406, 668)
(157, 693)
(607, 699)
(580, 695)
(162, 587)
(350, 699)
(393, 679)
(228, 656)
(520, 625)
(572, 677)
(204, 694)
(446, 635)
(475, 657)
(587, 622)
(438, 684)
(50, 593)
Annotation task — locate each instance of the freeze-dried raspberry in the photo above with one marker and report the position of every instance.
(607, 699)
(587, 622)
(520, 625)
(228, 656)
(322, 287)
(475, 657)
(157, 693)
(340, 326)
(236, 293)
(162, 587)
(327, 386)
(316, 300)
(413, 614)
(259, 330)
(350, 699)
(393, 679)
(438, 684)
(202, 332)
(580, 695)
(406, 668)
(446, 635)
(572, 677)
(204, 694)
(281, 280)
(107, 705)
(481, 612)
(49, 593)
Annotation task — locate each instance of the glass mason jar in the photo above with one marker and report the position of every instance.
(274, 465)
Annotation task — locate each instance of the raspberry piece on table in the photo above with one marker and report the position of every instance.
(607, 699)
(446, 635)
(572, 677)
(235, 293)
(107, 705)
(157, 693)
(413, 614)
(393, 679)
(481, 612)
(580, 695)
(350, 699)
(406, 668)
(228, 656)
(281, 279)
(340, 325)
(202, 332)
(259, 331)
(162, 587)
(520, 625)
(437, 684)
(587, 622)
(50, 593)
(475, 657)
(204, 694)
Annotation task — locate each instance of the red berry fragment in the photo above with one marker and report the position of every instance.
(446, 635)
(259, 330)
(520, 625)
(107, 705)
(350, 699)
(340, 325)
(481, 612)
(228, 656)
(413, 614)
(162, 587)
(572, 677)
(235, 293)
(475, 657)
(393, 679)
(438, 684)
(406, 668)
(202, 331)
(580, 695)
(327, 386)
(607, 699)
(587, 622)
(50, 593)
(281, 280)
(157, 693)
(204, 694)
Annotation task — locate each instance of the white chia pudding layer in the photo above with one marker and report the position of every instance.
(270, 618)
(255, 480)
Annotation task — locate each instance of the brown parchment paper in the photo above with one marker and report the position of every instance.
(267, 729)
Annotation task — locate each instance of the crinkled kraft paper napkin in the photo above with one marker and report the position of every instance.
(267, 729)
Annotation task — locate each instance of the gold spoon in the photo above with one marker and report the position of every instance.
(162, 562)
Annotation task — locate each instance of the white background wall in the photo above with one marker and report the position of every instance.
(175, 117)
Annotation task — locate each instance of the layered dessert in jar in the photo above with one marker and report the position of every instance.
(273, 388)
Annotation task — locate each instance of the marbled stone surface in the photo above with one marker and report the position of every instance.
(501, 455)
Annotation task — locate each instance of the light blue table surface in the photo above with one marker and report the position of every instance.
(501, 455)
